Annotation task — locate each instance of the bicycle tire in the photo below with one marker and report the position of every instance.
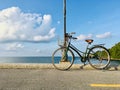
(99, 57)
(60, 63)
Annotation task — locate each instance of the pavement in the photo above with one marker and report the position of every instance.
(46, 77)
(52, 79)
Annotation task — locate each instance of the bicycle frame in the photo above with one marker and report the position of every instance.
(82, 57)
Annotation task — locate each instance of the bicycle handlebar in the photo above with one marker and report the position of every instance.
(69, 35)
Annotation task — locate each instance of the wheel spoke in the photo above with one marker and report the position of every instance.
(99, 57)
(62, 59)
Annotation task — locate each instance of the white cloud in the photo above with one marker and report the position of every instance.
(45, 37)
(83, 37)
(16, 25)
(14, 46)
(104, 35)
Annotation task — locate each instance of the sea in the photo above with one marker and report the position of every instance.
(36, 59)
(44, 59)
(26, 59)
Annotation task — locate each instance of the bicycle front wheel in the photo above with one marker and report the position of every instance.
(62, 59)
(99, 57)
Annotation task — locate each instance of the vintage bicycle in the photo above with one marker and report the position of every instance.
(97, 55)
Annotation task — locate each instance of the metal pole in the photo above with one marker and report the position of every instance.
(64, 22)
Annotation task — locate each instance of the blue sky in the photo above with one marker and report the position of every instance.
(31, 28)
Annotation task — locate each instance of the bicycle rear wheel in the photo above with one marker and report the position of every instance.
(62, 59)
(99, 57)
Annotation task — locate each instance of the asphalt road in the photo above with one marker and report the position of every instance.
(52, 79)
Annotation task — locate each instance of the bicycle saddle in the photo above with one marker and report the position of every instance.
(89, 41)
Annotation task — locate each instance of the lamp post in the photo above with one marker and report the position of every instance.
(64, 22)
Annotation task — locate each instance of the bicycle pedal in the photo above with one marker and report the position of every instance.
(81, 67)
(85, 64)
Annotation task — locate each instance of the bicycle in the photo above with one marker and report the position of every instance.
(97, 55)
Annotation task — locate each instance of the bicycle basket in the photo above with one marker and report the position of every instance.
(60, 42)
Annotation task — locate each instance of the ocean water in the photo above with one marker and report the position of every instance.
(40, 60)
(31, 60)
(25, 60)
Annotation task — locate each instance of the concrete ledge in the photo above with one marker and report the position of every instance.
(25, 66)
(48, 66)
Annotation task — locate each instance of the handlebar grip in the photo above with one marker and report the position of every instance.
(74, 38)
